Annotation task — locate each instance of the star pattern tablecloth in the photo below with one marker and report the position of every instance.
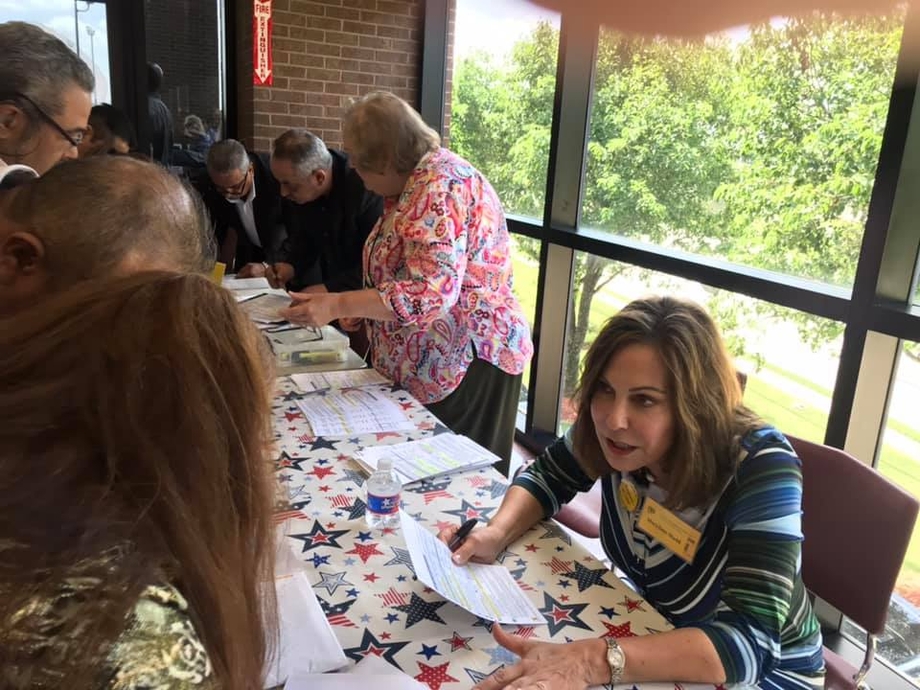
(364, 579)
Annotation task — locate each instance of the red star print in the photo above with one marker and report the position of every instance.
(292, 428)
(622, 630)
(458, 642)
(319, 538)
(434, 676)
(632, 604)
(322, 472)
(325, 489)
(406, 405)
(563, 597)
(472, 513)
(373, 649)
(426, 426)
(388, 530)
(435, 495)
(291, 416)
(443, 524)
(559, 615)
(371, 578)
(284, 462)
(478, 482)
(532, 547)
(365, 551)
(386, 434)
(341, 457)
(385, 636)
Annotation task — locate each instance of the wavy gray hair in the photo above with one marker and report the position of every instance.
(306, 151)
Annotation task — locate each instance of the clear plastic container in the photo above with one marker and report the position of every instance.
(383, 494)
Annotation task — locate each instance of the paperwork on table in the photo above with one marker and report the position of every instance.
(352, 411)
(489, 591)
(428, 457)
(325, 380)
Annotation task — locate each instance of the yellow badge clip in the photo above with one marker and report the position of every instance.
(629, 495)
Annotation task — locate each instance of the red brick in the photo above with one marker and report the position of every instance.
(405, 47)
(357, 78)
(288, 18)
(377, 67)
(325, 23)
(390, 82)
(289, 45)
(282, 5)
(343, 64)
(262, 119)
(375, 42)
(308, 8)
(344, 89)
(363, 4)
(341, 39)
(308, 60)
(274, 106)
(407, 22)
(306, 85)
(325, 99)
(378, 18)
(324, 74)
(392, 32)
(277, 30)
(358, 53)
(307, 110)
(393, 7)
(361, 28)
(307, 34)
(342, 13)
(287, 120)
(394, 57)
(316, 48)
(410, 70)
(295, 71)
(282, 57)
(288, 97)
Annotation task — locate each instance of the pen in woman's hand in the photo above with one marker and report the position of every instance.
(461, 534)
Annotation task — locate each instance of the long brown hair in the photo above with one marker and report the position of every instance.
(136, 426)
(703, 387)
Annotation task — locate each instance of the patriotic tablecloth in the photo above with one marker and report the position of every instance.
(365, 582)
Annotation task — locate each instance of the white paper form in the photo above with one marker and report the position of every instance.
(353, 411)
(429, 457)
(354, 378)
(307, 643)
(265, 307)
(234, 283)
(354, 681)
(488, 591)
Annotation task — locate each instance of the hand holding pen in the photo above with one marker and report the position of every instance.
(481, 544)
(460, 535)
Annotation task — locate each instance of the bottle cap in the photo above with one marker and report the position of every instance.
(385, 464)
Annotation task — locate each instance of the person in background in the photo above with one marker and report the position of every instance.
(109, 131)
(444, 321)
(136, 526)
(161, 120)
(96, 217)
(244, 202)
(216, 126)
(328, 214)
(45, 98)
(701, 509)
(196, 139)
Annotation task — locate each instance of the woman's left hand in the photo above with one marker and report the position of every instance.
(549, 666)
(312, 309)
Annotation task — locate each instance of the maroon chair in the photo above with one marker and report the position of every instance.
(857, 526)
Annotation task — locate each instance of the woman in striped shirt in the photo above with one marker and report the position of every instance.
(662, 425)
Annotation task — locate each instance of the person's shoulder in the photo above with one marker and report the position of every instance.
(160, 646)
(765, 452)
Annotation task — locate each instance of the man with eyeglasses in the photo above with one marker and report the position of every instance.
(244, 202)
(45, 98)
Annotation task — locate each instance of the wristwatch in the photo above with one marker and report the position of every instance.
(616, 659)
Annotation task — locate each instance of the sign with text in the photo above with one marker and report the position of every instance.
(262, 64)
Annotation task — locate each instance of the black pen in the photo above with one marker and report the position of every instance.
(462, 534)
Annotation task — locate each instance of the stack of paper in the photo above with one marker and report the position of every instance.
(322, 381)
(429, 457)
(234, 283)
(371, 671)
(307, 643)
(351, 411)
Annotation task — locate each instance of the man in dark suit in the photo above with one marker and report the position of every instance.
(244, 202)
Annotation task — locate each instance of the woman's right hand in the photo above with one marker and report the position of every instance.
(482, 545)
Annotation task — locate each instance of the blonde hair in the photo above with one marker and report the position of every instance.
(703, 388)
(383, 131)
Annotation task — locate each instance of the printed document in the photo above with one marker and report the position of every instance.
(353, 411)
(324, 380)
(429, 457)
(489, 591)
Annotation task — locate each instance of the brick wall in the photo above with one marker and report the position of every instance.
(182, 39)
(327, 52)
(449, 71)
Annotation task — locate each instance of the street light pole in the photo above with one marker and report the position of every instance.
(76, 27)
(92, 48)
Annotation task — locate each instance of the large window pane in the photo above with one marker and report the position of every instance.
(898, 461)
(525, 255)
(502, 77)
(790, 361)
(758, 145)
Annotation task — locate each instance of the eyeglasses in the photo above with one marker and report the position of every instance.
(237, 189)
(74, 137)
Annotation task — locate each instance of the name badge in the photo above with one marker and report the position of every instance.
(676, 535)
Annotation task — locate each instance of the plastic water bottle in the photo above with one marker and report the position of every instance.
(383, 491)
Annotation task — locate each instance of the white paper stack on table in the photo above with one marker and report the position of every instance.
(352, 411)
(429, 457)
(326, 380)
(371, 671)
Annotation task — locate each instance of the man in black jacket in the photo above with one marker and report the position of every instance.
(244, 202)
(327, 212)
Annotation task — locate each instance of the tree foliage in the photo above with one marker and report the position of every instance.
(759, 149)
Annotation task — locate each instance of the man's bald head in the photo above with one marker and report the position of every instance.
(97, 217)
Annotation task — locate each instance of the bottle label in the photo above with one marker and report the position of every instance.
(383, 505)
